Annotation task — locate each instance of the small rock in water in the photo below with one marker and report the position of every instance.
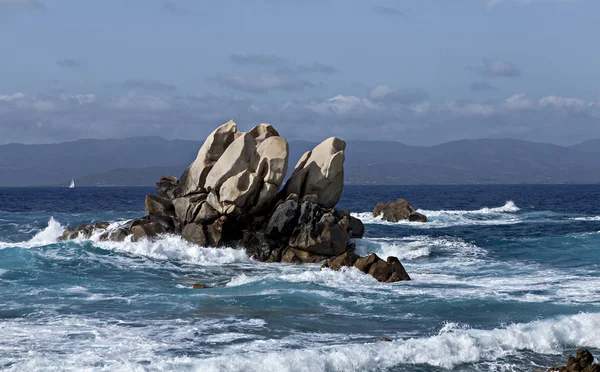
(397, 211)
(382, 339)
(582, 362)
(199, 286)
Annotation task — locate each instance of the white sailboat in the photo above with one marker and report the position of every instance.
(72, 185)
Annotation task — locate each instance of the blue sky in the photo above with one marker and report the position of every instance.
(415, 71)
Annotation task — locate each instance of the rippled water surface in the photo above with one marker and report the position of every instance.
(505, 278)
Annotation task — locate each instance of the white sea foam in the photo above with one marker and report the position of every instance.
(589, 218)
(47, 236)
(111, 347)
(171, 247)
(504, 215)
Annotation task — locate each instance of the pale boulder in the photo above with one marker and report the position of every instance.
(193, 179)
(320, 172)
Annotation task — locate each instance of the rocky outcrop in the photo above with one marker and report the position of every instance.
(583, 361)
(230, 197)
(320, 172)
(387, 271)
(397, 211)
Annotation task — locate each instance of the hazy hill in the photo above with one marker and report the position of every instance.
(592, 145)
(142, 160)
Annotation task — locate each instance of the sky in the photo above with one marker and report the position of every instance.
(421, 72)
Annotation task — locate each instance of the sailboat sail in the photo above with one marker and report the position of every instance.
(72, 185)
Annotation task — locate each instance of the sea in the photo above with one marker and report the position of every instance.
(504, 278)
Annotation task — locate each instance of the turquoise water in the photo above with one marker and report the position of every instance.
(505, 278)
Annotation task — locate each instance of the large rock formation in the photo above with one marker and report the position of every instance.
(230, 196)
(397, 211)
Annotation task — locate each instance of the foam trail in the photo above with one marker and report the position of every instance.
(171, 247)
(508, 207)
(503, 215)
(452, 346)
(48, 235)
(591, 218)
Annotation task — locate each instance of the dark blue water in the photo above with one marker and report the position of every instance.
(505, 278)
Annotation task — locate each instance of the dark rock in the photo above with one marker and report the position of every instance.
(169, 223)
(585, 357)
(319, 232)
(364, 263)
(147, 230)
(101, 225)
(397, 271)
(118, 235)
(188, 207)
(382, 339)
(344, 260)
(68, 234)
(384, 271)
(582, 362)
(395, 211)
(199, 286)
(357, 228)
(297, 256)
(166, 187)
(155, 205)
(283, 220)
(206, 213)
(214, 232)
(417, 217)
(194, 233)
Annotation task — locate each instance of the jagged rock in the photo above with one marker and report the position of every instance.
(357, 228)
(238, 157)
(263, 131)
(216, 232)
(188, 207)
(147, 230)
(152, 226)
(346, 259)
(84, 230)
(364, 263)
(384, 271)
(396, 211)
(320, 172)
(582, 362)
(193, 179)
(297, 256)
(158, 206)
(118, 235)
(417, 217)
(283, 220)
(396, 270)
(194, 233)
(166, 187)
(319, 232)
(206, 214)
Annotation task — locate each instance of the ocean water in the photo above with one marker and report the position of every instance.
(505, 278)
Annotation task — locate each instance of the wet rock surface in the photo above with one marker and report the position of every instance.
(398, 211)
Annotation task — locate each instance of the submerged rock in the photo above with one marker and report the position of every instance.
(397, 211)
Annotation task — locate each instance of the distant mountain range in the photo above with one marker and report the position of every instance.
(142, 160)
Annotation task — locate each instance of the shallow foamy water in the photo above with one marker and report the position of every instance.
(504, 278)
